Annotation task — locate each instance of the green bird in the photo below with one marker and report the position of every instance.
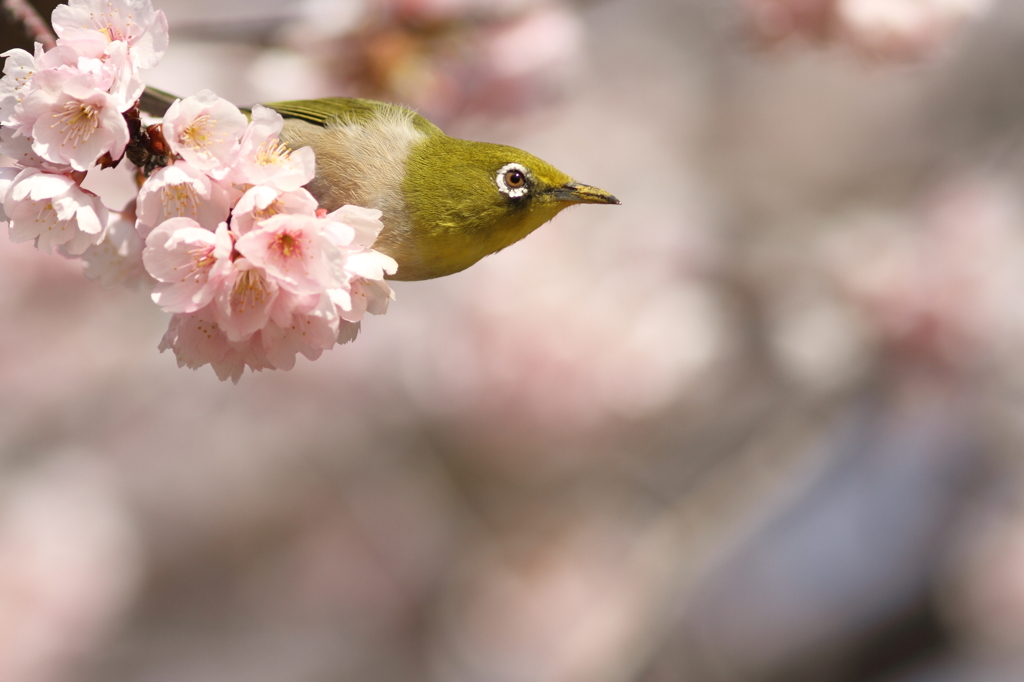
(445, 202)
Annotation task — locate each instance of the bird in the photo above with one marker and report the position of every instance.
(445, 202)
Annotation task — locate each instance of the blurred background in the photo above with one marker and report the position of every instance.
(762, 422)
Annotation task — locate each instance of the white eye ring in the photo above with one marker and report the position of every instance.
(514, 192)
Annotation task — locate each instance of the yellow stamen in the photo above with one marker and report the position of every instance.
(179, 200)
(272, 153)
(78, 122)
(249, 291)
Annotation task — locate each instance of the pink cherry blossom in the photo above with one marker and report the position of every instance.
(308, 333)
(107, 62)
(197, 340)
(19, 66)
(117, 259)
(264, 160)
(364, 296)
(263, 201)
(903, 27)
(231, 244)
(72, 120)
(19, 148)
(180, 190)
(292, 250)
(182, 256)
(364, 222)
(205, 130)
(244, 300)
(54, 211)
(110, 63)
(353, 229)
(7, 175)
(133, 22)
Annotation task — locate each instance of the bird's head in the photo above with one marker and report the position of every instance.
(470, 199)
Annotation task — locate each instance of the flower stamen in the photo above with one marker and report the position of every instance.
(78, 121)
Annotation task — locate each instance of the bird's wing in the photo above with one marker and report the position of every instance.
(316, 111)
(346, 109)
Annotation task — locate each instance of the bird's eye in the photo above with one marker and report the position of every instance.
(513, 180)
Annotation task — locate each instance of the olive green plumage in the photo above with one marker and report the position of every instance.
(445, 202)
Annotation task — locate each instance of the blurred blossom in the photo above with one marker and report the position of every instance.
(904, 28)
(561, 610)
(442, 57)
(70, 564)
(777, 19)
(117, 260)
(943, 287)
(893, 29)
(573, 345)
(986, 599)
(454, 8)
(819, 340)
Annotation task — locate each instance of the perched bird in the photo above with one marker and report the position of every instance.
(446, 202)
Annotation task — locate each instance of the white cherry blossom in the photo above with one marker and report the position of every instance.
(54, 211)
(244, 301)
(265, 160)
(183, 256)
(73, 121)
(197, 340)
(117, 259)
(309, 333)
(180, 190)
(205, 131)
(142, 29)
(263, 201)
(19, 66)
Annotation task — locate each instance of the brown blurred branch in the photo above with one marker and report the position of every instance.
(35, 26)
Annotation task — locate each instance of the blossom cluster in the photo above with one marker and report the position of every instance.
(886, 29)
(444, 58)
(222, 230)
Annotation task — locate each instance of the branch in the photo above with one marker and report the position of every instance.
(35, 26)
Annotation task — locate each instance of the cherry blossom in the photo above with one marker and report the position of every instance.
(265, 160)
(205, 130)
(252, 271)
(364, 296)
(117, 259)
(19, 148)
(133, 22)
(308, 333)
(197, 340)
(107, 62)
(181, 190)
(19, 66)
(243, 303)
(181, 255)
(263, 201)
(293, 250)
(73, 121)
(53, 210)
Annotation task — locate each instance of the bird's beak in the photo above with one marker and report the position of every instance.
(583, 194)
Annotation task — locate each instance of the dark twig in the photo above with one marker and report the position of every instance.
(35, 26)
